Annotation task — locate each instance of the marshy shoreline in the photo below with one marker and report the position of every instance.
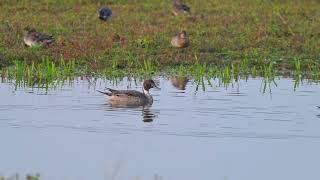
(222, 33)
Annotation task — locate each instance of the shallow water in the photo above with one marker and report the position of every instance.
(238, 132)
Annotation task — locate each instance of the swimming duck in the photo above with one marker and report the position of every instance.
(131, 97)
(180, 8)
(34, 38)
(104, 13)
(181, 40)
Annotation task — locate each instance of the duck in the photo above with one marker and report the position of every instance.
(181, 40)
(35, 38)
(179, 82)
(2, 58)
(125, 98)
(104, 13)
(179, 8)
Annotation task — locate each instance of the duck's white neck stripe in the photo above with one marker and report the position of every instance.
(145, 92)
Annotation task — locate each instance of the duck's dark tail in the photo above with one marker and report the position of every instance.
(106, 93)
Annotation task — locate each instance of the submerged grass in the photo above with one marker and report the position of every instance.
(222, 32)
(48, 74)
(44, 74)
(18, 177)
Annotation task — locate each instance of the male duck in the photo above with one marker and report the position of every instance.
(131, 97)
(34, 38)
(179, 8)
(181, 40)
(104, 13)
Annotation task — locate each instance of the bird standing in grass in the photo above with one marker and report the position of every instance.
(180, 8)
(104, 13)
(34, 38)
(181, 40)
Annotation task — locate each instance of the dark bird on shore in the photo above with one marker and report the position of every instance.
(181, 40)
(180, 8)
(104, 13)
(35, 38)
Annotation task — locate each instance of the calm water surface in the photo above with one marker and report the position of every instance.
(234, 133)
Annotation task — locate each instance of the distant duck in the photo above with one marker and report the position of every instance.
(180, 8)
(2, 58)
(104, 13)
(34, 38)
(125, 98)
(181, 40)
(179, 83)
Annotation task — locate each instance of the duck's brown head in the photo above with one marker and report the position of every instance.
(148, 84)
(183, 34)
(177, 2)
(29, 29)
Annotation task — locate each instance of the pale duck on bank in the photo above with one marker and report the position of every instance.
(181, 40)
(35, 38)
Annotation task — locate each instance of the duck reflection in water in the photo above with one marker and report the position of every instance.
(146, 112)
(179, 82)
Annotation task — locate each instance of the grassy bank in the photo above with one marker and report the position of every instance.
(222, 32)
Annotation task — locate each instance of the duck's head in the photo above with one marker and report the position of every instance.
(29, 29)
(183, 34)
(177, 2)
(148, 84)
